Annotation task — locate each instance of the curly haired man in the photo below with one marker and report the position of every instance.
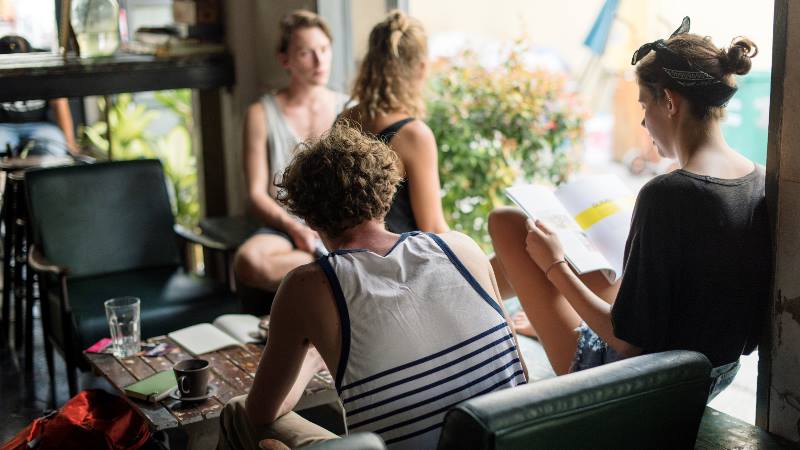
(409, 324)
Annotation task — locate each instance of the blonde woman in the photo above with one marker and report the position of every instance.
(389, 94)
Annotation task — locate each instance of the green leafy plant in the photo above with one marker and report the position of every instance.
(496, 127)
(130, 139)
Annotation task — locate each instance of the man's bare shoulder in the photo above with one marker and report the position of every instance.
(463, 246)
(304, 283)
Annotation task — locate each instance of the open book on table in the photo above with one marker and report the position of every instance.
(590, 215)
(228, 330)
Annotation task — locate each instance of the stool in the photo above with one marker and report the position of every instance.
(17, 278)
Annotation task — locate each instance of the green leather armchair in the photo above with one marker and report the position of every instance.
(649, 401)
(106, 230)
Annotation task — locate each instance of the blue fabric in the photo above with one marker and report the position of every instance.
(722, 377)
(44, 138)
(598, 36)
(592, 351)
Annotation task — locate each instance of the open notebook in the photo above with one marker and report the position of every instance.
(228, 330)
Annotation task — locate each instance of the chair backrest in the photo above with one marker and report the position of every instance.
(102, 218)
(649, 401)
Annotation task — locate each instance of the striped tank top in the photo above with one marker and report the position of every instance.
(419, 335)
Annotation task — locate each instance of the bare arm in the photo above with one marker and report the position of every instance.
(416, 146)
(544, 248)
(289, 361)
(63, 118)
(257, 178)
(477, 263)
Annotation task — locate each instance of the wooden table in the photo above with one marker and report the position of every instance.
(232, 374)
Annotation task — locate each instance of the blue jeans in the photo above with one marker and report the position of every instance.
(592, 351)
(722, 377)
(38, 138)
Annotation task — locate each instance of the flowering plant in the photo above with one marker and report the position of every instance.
(495, 127)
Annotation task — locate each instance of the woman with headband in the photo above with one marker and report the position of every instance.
(697, 259)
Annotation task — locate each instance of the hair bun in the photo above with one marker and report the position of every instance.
(398, 23)
(736, 59)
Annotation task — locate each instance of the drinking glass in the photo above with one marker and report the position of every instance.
(123, 323)
(96, 26)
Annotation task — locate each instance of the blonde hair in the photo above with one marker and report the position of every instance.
(299, 19)
(386, 79)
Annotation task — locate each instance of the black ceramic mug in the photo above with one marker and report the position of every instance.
(192, 376)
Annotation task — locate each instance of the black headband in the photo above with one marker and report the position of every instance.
(683, 75)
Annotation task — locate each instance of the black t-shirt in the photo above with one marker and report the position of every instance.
(23, 111)
(697, 266)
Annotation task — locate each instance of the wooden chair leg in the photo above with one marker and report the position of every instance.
(8, 253)
(19, 263)
(72, 374)
(51, 369)
(29, 300)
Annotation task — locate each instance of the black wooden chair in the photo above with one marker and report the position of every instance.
(107, 230)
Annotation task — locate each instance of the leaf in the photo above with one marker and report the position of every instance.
(496, 127)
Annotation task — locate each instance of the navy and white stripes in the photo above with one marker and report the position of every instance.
(414, 353)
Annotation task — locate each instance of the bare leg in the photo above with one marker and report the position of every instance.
(289, 431)
(264, 259)
(522, 325)
(519, 321)
(506, 289)
(552, 317)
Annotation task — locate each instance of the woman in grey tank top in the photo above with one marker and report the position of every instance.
(274, 125)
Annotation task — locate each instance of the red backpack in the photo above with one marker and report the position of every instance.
(93, 419)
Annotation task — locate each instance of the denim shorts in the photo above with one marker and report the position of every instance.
(592, 351)
(722, 377)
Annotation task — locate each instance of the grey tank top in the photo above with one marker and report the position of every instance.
(281, 139)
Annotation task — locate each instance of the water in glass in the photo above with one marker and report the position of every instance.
(124, 325)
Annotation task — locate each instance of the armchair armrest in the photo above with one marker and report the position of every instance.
(203, 240)
(39, 263)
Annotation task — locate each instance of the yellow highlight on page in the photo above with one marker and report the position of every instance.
(597, 212)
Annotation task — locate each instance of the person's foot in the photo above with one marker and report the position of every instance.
(522, 325)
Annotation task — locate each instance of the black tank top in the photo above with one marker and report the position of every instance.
(400, 217)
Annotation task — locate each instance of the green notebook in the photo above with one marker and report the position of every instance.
(153, 388)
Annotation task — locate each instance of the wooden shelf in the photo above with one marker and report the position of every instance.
(46, 76)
